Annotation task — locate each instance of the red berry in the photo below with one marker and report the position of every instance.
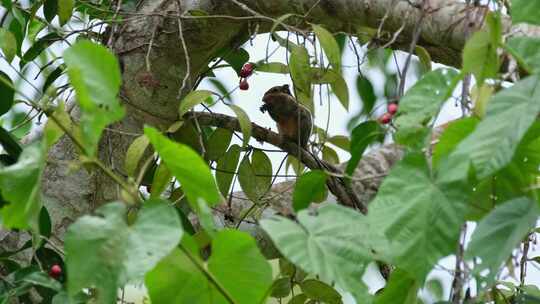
(244, 85)
(385, 118)
(55, 271)
(392, 108)
(246, 70)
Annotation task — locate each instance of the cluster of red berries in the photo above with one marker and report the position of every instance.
(245, 72)
(55, 271)
(390, 111)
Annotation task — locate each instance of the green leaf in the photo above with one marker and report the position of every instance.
(320, 291)
(300, 74)
(452, 136)
(134, 155)
(65, 8)
(7, 93)
(161, 180)
(309, 187)
(8, 44)
(273, 67)
(498, 234)
(480, 56)
(281, 287)
(340, 141)
(525, 11)
(42, 279)
(20, 185)
(95, 75)
(420, 217)
(226, 168)
(362, 136)
(192, 99)
(245, 123)
(58, 121)
(281, 19)
(236, 58)
(104, 252)
(329, 45)
(188, 167)
(330, 155)
(255, 177)
(424, 57)
(236, 264)
(491, 146)
(435, 288)
(367, 93)
(218, 143)
(525, 50)
(222, 89)
(339, 88)
(52, 77)
(39, 46)
(421, 103)
(50, 7)
(298, 299)
(335, 250)
(401, 288)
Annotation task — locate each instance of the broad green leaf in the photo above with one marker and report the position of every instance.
(134, 155)
(58, 121)
(310, 187)
(239, 265)
(10, 145)
(452, 136)
(329, 45)
(435, 288)
(334, 244)
(480, 56)
(481, 96)
(65, 8)
(236, 58)
(162, 178)
(104, 252)
(7, 93)
(281, 287)
(491, 146)
(226, 169)
(236, 264)
(424, 57)
(525, 11)
(300, 74)
(35, 26)
(20, 186)
(362, 136)
(336, 81)
(320, 291)
(401, 288)
(340, 141)
(222, 89)
(39, 46)
(420, 217)
(499, 233)
(255, 176)
(245, 123)
(95, 75)
(273, 67)
(421, 103)
(286, 43)
(8, 44)
(330, 155)
(50, 7)
(192, 99)
(42, 279)
(298, 299)
(525, 50)
(218, 143)
(367, 93)
(188, 167)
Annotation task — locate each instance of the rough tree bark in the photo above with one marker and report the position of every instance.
(155, 66)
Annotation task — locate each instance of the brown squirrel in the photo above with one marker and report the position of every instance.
(293, 120)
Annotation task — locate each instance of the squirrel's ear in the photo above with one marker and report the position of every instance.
(285, 89)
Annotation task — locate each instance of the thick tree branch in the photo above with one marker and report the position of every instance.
(336, 184)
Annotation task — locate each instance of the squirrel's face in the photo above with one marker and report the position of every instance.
(276, 92)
